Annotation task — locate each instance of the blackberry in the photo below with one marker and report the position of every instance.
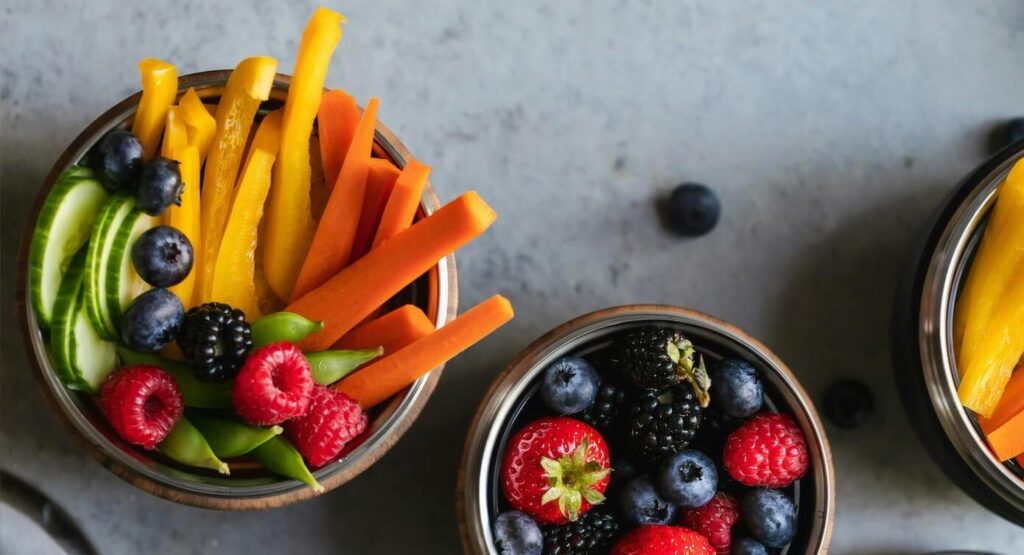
(215, 340)
(609, 403)
(592, 534)
(663, 423)
(660, 358)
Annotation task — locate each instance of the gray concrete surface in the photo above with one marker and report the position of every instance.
(829, 132)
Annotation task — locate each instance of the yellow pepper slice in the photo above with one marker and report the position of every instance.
(201, 126)
(289, 221)
(186, 218)
(159, 90)
(234, 280)
(175, 134)
(997, 352)
(249, 84)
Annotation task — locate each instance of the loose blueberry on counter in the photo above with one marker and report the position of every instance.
(688, 478)
(159, 186)
(848, 403)
(162, 256)
(747, 546)
(569, 385)
(152, 320)
(770, 516)
(517, 534)
(639, 503)
(692, 210)
(118, 159)
(738, 390)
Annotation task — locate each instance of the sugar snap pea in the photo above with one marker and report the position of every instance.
(331, 366)
(228, 438)
(280, 456)
(282, 326)
(196, 393)
(187, 445)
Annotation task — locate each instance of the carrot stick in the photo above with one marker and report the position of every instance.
(379, 185)
(332, 245)
(393, 331)
(355, 292)
(403, 202)
(1010, 404)
(1007, 441)
(377, 382)
(336, 125)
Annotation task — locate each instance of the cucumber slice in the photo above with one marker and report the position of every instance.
(63, 226)
(122, 281)
(82, 359)
(113, 214)
(92, 358)
(64, 310)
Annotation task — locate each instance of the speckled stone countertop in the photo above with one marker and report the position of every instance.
(830, 134)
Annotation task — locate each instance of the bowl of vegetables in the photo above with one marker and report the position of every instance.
(239, 288)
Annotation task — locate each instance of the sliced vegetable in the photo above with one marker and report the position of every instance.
(373, 279)
(197, 394)
(282, 326)
(404, 200)
(230, 439)
(123, 282)
(186, 445)
(201, 126)
(377, 382)
(186, 218)
(392, 331)
(997, 353)
(336, 123)
(159, 89)
(82, 359)
(331, 366)
(280, 456)
(1007, 441)
(175, 133)
(1010, 404)
(112, 219)
(379, 185)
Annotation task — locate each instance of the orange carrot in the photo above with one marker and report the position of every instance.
(1007, 441)
(403, 202)
(355, 292)
(1010, 404)
(380, 380)
(393, 331)
(379, 185)
(332, 245)
(336, 123)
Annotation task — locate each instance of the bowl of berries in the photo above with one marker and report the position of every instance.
(239, 287)
(646, 429)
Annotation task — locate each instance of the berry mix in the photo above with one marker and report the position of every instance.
(639, 447)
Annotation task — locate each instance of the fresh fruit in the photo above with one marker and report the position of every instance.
(715, 427)
(592, 534)
(215, 339)
(738, 390)
(603, 414)
(656, 539)
(714, 520)
(65, 221)
(767, 450)
(331, 421)
(770, 516)
(280, 456)
(392, 331)
(187, 445)
(569, 385)
(282, 326)
(401, 206)
(152, 321)
(114, 222)
(273, 385)
(661, 424)
(196, 394)
(640, 503)
(185, 218)
(659, 358)
(688, 478)
(747, 546)
(162, 256)
(848, 403)
(555, 469)
(159, 186)
(517, 534)
(159, 88)
(692, 210)
(142, 404)
(118, 159)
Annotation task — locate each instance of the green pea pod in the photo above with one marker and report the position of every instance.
(231, 439)
(279, 456)
(186, 445)
(197, 394)
(282, 326)
(331, 366)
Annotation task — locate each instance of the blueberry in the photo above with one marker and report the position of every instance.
(770, 516)
(569, 385)
(848, 403)
(692, 210)
(152, 320)
(118, 159)
(517, 534)
(747, 546)
(162, 256)
(639, 503)
(159, 186)
(736, 388)
(688, 478)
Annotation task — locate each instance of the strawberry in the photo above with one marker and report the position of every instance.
(659, 539)
(555, 469)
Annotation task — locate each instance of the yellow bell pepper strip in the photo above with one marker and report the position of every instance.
(175, 134)
(234, 272)
(1000, 261)
(248, 86)
(186, 218)
(997, 352)
(159, 89)
(289, 221)
(200, 124)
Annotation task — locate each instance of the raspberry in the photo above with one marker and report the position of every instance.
(142, 404)
(332, 420)
(273, 385)
(714, 520)
(767, 450)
